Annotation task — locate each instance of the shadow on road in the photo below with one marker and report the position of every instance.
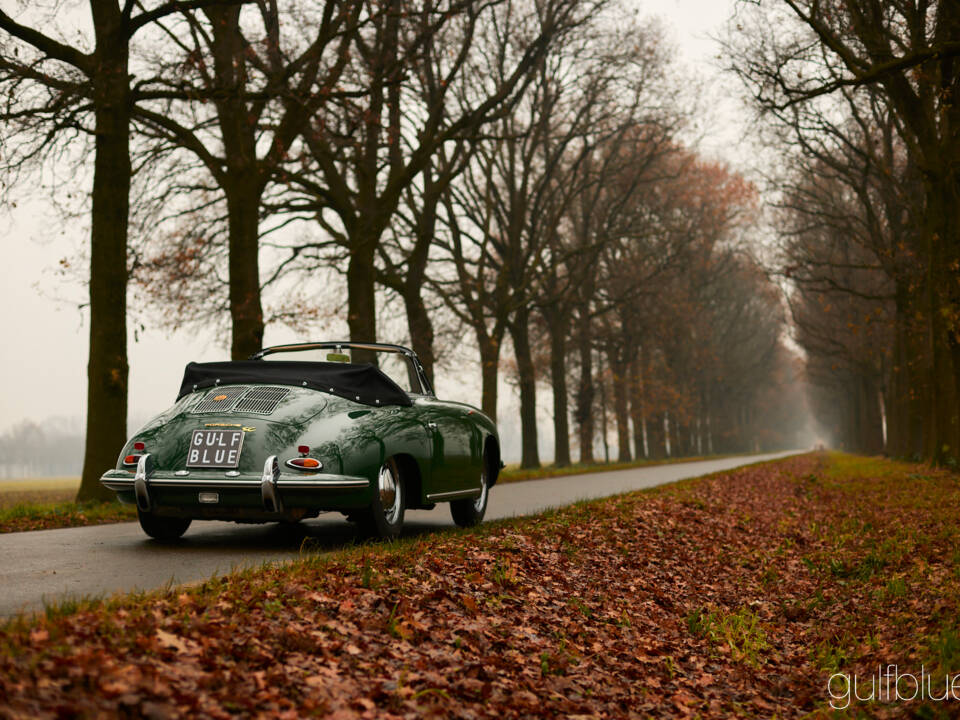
(309, 536)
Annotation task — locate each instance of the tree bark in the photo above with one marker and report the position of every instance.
(655, 437)
(490, 372)
(107, 369)
(420, 328)
(585, 392)
(557, 327)
(519, 327)
(520, 334)
(636, 403)
(621, 394)
(361, 292)
(241, 181)
(246, 311)
(871, 420)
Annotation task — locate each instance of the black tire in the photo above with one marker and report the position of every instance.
(384, 518)
(470, 512)
(164, 529)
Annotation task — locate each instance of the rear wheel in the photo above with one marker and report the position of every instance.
(470, 512)
(384, 517)
(165, 529)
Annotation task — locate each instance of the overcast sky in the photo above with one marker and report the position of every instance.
(44, 350)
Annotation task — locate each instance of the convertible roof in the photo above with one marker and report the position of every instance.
(362, 383)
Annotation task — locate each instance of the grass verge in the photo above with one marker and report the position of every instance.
(47, 516)
(734, 595)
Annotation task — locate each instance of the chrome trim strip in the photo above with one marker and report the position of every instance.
(455, 494)
(346, 482)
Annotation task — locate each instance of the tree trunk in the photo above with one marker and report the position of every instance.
(107, 369)
(557, 327)
(602, 380)
(655, 437)
(621, 394)
(241, 183)
(520, 334)
(871, 419)
(246, 311)
(361, 292)
(636, 404)
(421, 330)
(585, 393)
(490, 371)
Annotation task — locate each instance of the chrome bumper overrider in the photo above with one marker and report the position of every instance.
(271, 482)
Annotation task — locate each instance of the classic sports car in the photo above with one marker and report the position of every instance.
(267, 440)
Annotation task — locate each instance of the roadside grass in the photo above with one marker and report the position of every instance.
(49, 515)
(737, 594)
(47, 503)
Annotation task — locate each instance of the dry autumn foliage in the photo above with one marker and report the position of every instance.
(737, 594)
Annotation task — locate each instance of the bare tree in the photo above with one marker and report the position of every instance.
(363, 153)
(506, 210)
(52, 86)
(237, 90)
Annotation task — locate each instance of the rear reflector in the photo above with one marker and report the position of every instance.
(139, 446)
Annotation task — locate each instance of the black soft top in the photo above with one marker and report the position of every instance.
(362, 383)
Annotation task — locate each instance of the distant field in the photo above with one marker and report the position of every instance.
(38, 490)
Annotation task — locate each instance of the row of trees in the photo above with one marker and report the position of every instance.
(867, 97)
(511, 167)
(53, 448)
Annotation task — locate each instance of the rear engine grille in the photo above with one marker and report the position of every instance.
(261, 401)
(220, 400)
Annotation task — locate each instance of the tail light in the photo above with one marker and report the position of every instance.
(304, 463)
(132, 459)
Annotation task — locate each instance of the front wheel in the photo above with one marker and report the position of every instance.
(470, 512)
(165, 529)
(384, 517)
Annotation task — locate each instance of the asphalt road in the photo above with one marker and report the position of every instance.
(51, 565)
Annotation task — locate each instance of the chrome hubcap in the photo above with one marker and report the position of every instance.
(481, 501)
(389, 494)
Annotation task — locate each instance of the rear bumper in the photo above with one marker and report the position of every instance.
(211, 494)
(120, 480)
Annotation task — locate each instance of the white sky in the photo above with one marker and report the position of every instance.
(43, 354)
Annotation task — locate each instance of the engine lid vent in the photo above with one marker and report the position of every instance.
(261, 401)
(219, 400)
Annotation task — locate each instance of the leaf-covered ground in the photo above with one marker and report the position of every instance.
(735, 595)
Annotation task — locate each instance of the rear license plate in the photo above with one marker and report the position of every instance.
(215, 448)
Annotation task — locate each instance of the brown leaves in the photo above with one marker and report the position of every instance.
(732, 594)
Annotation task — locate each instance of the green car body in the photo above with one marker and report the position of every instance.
(439, 451)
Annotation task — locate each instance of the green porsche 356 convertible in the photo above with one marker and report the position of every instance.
(268, 439)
